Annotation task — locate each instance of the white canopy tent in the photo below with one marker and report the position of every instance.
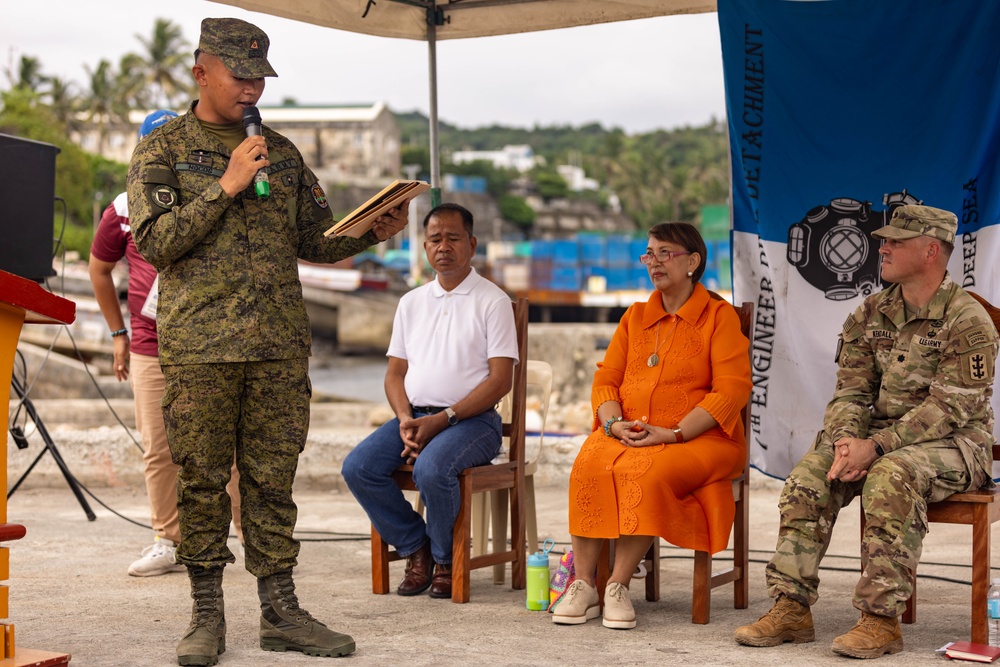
(458, 19)
(430, 20)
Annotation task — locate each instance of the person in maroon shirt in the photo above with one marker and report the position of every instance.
(137, 359)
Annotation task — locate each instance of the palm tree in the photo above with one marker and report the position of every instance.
(102, 103)
(28, 75)
(63, 100)
(132, 80)
(166, 62)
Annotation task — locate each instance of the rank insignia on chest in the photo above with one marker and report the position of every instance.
(164, 196)
(319, 196)
(200, 157)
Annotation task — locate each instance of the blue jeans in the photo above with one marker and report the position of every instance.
(368, 472)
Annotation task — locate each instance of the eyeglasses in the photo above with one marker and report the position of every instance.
(662, 256)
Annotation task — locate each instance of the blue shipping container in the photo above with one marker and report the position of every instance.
(593, 249)
(457, 183)
(565, 252)
(566, 279)
(640, 278)
(619, 278)
(710, 279)
(541, 249)
(637, 248)
(619, 251)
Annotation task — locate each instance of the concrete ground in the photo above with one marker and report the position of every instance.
(69, 592)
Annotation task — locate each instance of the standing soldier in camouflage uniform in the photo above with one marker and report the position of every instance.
(234, 335)
(910, 423)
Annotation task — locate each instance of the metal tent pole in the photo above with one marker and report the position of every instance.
(432, 19)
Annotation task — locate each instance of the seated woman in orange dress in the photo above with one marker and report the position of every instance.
(667, 401)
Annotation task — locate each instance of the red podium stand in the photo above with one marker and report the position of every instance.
(21, 301)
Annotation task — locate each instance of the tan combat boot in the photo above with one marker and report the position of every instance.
(872, 637)
(788, 621)
(284, 626)
(205, 638)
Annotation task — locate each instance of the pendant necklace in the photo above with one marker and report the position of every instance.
(654, 358)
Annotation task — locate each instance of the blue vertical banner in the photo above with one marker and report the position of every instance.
(839, 112)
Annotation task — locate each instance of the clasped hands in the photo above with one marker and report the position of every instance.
(416, 433)
(638, 433)
(852, 457)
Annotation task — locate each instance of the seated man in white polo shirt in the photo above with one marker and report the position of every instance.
(451, 360)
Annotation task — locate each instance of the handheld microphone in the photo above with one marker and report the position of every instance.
(251, 121)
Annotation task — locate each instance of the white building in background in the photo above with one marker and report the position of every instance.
(353, 144)
(519, 157)
(342, 144)
(576, 179)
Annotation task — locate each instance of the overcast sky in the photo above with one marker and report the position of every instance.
(637, 75)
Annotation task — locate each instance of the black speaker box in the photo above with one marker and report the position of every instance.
(27, 204)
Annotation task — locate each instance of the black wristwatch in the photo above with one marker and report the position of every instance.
(452, 417)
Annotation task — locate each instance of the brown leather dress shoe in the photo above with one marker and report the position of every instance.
(441, 585)
(417, 577)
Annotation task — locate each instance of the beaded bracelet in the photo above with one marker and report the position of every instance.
(607, 425)
(120, 332)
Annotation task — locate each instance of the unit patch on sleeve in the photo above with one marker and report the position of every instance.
(319, 196)
(977, 367)
(164, 196)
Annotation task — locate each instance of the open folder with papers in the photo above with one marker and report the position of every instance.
(361, 219)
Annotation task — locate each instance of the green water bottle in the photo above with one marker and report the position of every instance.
(537, 596)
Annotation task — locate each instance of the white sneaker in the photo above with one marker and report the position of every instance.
(158, 558)
(579, 604)
(618, 611)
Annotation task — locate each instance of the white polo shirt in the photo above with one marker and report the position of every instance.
(447, 338)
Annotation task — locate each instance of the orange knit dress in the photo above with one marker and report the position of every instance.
(680, 492)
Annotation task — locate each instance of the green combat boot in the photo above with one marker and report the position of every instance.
(284, 626)
(205, 638)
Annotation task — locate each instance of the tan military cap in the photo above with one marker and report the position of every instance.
(912, 221)
(241, 46)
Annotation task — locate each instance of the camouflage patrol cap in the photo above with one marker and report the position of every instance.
(241, 46)
(911, 221)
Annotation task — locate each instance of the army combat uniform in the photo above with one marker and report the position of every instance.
(920, 387)
(234, 334)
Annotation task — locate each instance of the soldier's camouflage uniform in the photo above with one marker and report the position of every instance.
(921, 389)
(234, 335)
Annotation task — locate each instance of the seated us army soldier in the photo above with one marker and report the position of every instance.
(234, 335)
(910, 423)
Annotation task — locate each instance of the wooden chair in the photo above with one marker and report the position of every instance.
(490, 477)
(495, 504)
(979, 509)
(704, 578)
